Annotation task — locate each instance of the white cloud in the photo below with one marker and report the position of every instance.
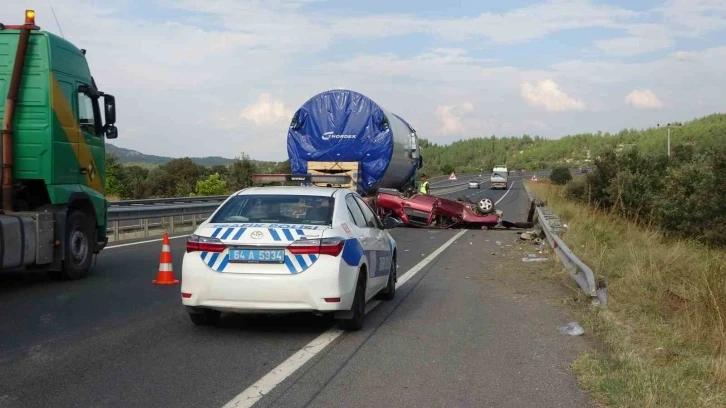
(287, 20)
(693, 18)
(267, 111)
(547, 94)
(450, 117)
(643, 99)
(182, 71)
(643, 38)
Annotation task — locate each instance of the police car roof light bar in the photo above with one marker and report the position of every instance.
(301, 178)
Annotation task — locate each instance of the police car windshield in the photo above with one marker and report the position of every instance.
(287, 209)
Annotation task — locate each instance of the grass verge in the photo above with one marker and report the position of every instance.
(662, 335)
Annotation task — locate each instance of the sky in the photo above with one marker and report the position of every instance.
(224, 77)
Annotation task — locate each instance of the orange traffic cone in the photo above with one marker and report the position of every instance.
(165, 276)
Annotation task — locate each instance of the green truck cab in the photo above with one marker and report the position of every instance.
(54, 205)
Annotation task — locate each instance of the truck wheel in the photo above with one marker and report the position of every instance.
(78, 246)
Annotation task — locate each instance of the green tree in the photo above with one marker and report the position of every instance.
(181, 176)
(241, 171)
(114, 186)
(133, 179)
(283, 168)
(220, 169)
(212, 185)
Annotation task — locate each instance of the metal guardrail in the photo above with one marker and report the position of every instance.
(121, 219)
(167, 201)
(552, 227)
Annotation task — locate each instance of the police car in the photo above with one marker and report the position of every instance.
(289, 249)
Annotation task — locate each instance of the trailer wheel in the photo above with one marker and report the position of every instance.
(79, 246)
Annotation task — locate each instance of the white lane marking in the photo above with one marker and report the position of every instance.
(143, 242)
(278, 374)
(505, 194)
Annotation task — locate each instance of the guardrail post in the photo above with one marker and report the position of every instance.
(194, 221)
(145, 222)
(116, 232)
(171, 224)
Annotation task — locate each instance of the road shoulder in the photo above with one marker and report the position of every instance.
(479, 327)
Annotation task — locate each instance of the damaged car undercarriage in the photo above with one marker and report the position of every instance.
(429, 211)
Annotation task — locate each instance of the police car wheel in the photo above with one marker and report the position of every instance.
(205, 317)
(358, 309)
(390, 292)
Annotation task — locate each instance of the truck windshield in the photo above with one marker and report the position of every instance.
(286, 209)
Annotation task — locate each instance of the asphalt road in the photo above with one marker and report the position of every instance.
(116, 340)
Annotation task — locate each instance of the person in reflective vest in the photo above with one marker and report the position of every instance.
(424, 189)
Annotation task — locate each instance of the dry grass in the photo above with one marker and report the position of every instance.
(663, 333)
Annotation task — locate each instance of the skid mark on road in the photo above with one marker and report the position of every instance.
(267, 383)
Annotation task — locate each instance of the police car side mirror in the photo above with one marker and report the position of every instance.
(390, 223)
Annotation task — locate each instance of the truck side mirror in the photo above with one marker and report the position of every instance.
(110, 109)
(111, 132)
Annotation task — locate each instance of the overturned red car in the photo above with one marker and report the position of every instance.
(429, 211)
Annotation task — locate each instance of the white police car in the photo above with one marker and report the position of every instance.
(289, 249)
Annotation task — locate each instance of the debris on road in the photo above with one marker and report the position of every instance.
(572, 329)
(535, 236)
(533, 258)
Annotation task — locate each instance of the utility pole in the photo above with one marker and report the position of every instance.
(669, 126)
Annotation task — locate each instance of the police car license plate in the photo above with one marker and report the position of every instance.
(257, 255)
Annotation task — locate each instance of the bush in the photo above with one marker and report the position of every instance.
(561, 175)
(684, 195)
(693, 201)
(212, 186)
(577, 190)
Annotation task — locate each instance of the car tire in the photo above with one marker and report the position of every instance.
(205, 317)
(390, 292)
(358, 309)
(80, 239)
(486, 205)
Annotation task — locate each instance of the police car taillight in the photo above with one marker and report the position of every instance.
(324, 246)
(195, 243)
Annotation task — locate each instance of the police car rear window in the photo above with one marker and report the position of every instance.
(264, 208)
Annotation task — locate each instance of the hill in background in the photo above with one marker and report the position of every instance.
(128, 156)
(529, 152)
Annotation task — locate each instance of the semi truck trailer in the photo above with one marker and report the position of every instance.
(54, 207)
(344, 132)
